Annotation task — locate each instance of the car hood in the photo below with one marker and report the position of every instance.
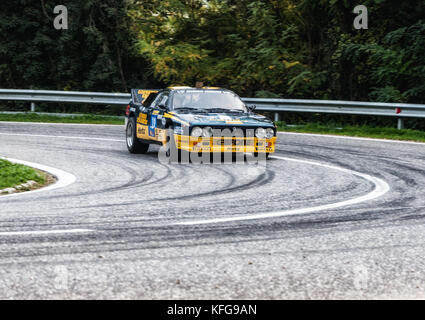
(223, 119)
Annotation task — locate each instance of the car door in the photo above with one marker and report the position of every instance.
(156, 128)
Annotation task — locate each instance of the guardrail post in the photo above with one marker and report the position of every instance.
(400, 123)
(276, 116)
(32, 107)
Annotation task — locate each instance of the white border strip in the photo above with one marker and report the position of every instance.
(350, 138)
(381, 188)
(64, 178)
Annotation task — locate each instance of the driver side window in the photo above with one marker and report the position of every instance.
(161, 99)
(156, 101)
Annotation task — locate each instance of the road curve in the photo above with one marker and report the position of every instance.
(131, 227)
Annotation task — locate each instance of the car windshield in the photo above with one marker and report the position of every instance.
(216, 101)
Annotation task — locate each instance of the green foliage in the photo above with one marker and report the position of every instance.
(265, 48)
(15, 174)
(238, 44)
(94, 54)
(396, 65)
(297, 49)
(48, 118)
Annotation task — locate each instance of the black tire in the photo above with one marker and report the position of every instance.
(133, 144)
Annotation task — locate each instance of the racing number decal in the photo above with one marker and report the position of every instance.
(152, 125)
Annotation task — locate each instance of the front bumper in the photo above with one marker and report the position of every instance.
(225, 144)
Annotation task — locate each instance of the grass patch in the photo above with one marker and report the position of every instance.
(12, 174)
(356, 131)
(83, 119)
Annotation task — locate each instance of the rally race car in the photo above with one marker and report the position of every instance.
(196, 120)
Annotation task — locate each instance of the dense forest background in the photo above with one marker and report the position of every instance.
(264, 48)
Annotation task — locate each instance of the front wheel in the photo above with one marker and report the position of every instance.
(133, 144)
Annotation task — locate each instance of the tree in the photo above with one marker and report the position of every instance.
(93, 54)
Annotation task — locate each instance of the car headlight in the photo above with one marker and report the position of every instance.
(207, 132)
(196, 132)
(269, 133)
(261, 133)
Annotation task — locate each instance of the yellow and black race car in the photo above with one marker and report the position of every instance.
(196, 120)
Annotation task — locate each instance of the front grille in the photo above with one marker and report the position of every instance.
(231, 136)
(233, 142)
(238, 132)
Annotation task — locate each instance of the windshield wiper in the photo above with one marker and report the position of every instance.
(190, 109)
(224, 110)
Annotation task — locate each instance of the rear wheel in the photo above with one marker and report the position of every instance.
(133, 144)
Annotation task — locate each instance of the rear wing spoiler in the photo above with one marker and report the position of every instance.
(138, 96)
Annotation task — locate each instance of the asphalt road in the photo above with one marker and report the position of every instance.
(131, 227)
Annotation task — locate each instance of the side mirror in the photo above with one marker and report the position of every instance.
(162, 107)
(252, 107)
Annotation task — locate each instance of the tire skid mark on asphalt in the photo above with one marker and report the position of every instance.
(150, 157)
(309, 155)
(227, 188)
(381, 188)
(131, 183)
(396, 172)
(258, 181)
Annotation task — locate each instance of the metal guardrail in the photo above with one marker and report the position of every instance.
(276, 106)
(398, 110)
(65, 96)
